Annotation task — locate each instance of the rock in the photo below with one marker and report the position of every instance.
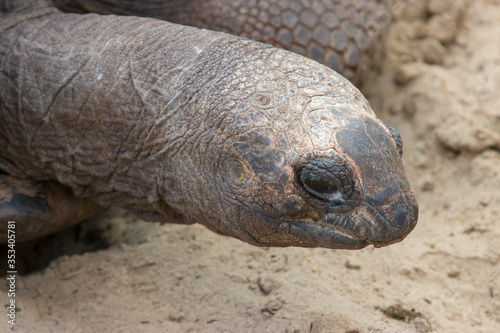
(433, 51)
(267, 284)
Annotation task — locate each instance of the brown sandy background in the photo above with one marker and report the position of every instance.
(440, 86)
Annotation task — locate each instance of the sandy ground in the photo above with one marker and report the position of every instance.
(439, 85)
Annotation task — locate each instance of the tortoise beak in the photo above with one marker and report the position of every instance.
(368, 223)
(388, 211)
(402, 215)
(388, 223)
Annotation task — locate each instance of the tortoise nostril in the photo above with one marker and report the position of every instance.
(396, 137)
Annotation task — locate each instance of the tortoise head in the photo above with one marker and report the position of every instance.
(350, 195)
(305, 162)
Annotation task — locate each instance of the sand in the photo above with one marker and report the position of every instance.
(439, 85)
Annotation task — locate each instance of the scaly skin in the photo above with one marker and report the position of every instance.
(251, 141)
(343, 35)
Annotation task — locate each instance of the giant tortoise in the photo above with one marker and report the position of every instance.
(163, 119)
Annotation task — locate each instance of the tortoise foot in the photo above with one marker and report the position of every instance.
(39, 208)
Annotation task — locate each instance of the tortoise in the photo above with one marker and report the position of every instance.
(164, 119)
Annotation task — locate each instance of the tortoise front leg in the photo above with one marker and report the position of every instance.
(39, 207)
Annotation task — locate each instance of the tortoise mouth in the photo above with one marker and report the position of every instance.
(366, 224)
(376, 224)
(326, 236)
(340, 227)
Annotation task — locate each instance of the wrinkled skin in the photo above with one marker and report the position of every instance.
(344, 35)
(252, 141)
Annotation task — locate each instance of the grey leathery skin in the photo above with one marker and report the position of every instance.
(252, 141)
(343, 35)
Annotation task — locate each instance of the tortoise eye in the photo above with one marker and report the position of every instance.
(318, 183)
(329, 179)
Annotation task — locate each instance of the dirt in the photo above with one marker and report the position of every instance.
(439, 86)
